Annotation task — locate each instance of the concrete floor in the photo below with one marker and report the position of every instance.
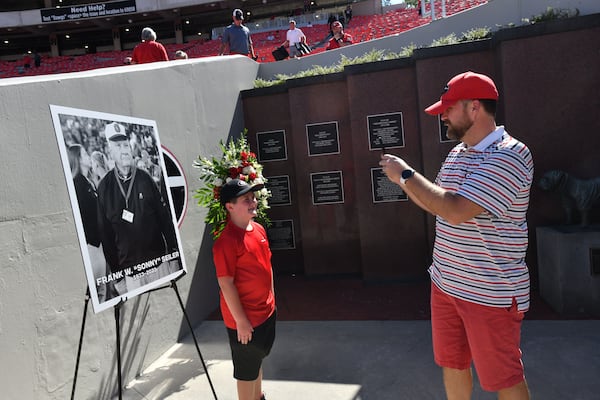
(369, 360)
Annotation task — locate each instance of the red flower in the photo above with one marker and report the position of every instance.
(252, 176)
(243, 177)
(233, 172)
(216, 192)
(244, 155)
(219, 226)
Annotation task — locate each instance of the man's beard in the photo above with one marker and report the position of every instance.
(457, 131)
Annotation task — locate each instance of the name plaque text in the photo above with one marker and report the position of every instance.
(385, 131)
(271, 146)
(327, 187)
(279, 186)
(323, 139)
(281, 235)
(385, 190)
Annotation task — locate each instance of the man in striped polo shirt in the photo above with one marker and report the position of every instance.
(480, 282)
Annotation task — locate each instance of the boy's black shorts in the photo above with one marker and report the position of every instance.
(247, 358)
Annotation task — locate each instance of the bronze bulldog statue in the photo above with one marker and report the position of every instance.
(576, 194)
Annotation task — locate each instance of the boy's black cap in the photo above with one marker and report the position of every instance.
(236, 188)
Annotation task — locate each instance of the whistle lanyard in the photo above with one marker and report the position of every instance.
(126, 196)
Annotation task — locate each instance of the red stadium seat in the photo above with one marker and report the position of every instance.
(362, 28)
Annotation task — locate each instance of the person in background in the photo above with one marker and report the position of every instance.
(480, 281)
(37, 59)
(340, 38)
(26, 61)
(348, 14)
(87, 199)
(330, 20)
(149, 50)
(292, 37)
(181, 55)
(99, 167)
(237, 38)
(242, 260)
(307, 6)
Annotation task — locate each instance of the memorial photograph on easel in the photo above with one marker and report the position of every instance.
(122, 207)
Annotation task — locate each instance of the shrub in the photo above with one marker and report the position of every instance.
(445, 40)
(552, 14)
(476, 34)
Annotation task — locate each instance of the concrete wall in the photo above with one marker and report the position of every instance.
(42, 285)
(492, 15)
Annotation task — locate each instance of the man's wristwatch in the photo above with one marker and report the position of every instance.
(406, 174)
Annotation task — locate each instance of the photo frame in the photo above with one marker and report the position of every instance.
(122, 207)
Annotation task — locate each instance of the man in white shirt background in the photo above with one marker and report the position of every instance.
(294, 35)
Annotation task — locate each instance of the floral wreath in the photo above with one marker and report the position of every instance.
(237, 161)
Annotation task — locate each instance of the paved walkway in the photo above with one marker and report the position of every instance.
(369, 360)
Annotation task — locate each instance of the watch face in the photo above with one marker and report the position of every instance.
(407, 173)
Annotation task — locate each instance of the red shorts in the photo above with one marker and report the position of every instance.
(489, 336)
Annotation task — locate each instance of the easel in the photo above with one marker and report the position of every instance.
(117, 309)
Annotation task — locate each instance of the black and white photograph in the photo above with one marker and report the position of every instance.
(122, 207)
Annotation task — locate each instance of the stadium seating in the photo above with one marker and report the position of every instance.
(362, 28)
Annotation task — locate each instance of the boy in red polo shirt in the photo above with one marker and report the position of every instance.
(243, 262)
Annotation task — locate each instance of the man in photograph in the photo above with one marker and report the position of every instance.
(138, 233)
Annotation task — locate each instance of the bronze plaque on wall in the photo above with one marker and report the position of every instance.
(385, 190)
(323, 138)
(385, 130)
(281, 235)
(279, 186)
(327, 187)
(271, 146)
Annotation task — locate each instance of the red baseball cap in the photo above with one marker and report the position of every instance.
(468, 85)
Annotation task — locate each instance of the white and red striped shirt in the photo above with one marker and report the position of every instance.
(483, 260)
